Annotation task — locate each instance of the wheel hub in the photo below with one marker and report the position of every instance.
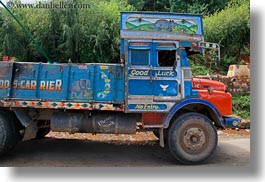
(194, 138)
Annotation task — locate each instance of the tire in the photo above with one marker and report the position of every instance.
(192, 138)
(9, 135)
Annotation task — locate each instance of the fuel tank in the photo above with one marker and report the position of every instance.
(96, 122)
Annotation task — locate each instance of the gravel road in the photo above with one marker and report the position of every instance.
(141, 149)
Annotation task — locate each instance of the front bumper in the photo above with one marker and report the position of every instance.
(232, 122)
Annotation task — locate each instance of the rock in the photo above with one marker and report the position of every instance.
(245, 124)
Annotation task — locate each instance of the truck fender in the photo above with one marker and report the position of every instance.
(217, 117)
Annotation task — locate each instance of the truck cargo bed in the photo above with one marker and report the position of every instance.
(102, 83)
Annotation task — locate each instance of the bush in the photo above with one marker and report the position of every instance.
(241, 106)
(84, 35)
(230, 28)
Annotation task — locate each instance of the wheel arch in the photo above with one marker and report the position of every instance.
(195, 105)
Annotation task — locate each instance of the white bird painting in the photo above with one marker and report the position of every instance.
(164, 87)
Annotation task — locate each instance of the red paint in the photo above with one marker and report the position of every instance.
(152, 118)
(203, 84)
(5, 58)
(221, 100)
(214, 92)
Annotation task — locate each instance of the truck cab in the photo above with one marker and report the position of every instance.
(155, 49)
(152, 85)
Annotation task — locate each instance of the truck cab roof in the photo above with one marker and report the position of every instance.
(161, 26)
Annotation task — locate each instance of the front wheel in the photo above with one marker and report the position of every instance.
(192, 138)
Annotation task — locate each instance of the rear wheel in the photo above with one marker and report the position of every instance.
(9, 135)
(192, 138)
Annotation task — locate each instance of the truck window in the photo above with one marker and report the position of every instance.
(166, 57)
(139, 57)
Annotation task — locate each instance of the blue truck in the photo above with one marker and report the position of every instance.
(151, 89)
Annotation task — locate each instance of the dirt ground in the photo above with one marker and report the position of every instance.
(140, 138)
(102, 150)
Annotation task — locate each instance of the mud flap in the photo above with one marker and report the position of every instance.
(31, 128)
(30, 131)
(161, 138)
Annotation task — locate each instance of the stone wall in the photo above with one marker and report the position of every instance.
(235, 85)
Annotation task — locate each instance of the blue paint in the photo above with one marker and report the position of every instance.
(146, 76)
(25, 81)
(184, 44)
(81, 82)
(188, 89)
(52, 82)
(165, 88)
(140, 87)
(122, 51)
(5, 79)
(183, 58)
(148, 107)
(105, 83)
(140, 57)
(195, 93)
(63, 82)
(232, 122)
(191, 101)
(119, 77)
(151, 75)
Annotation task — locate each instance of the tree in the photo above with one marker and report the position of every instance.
(92, 34)
(230, 28)
(10, 44)
(179, 6)
(84, 35)
(101, 30)
(72, 34)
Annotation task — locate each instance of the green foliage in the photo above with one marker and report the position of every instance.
(241, 106)
(82, 35)
(101, 39)
(230, 28)
(191, 6)
(241, 103)
(200, 69)
(92, 35)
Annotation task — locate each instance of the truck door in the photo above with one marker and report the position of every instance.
(151, 75)
(139, 74)
(139, 70)
(166, 77)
